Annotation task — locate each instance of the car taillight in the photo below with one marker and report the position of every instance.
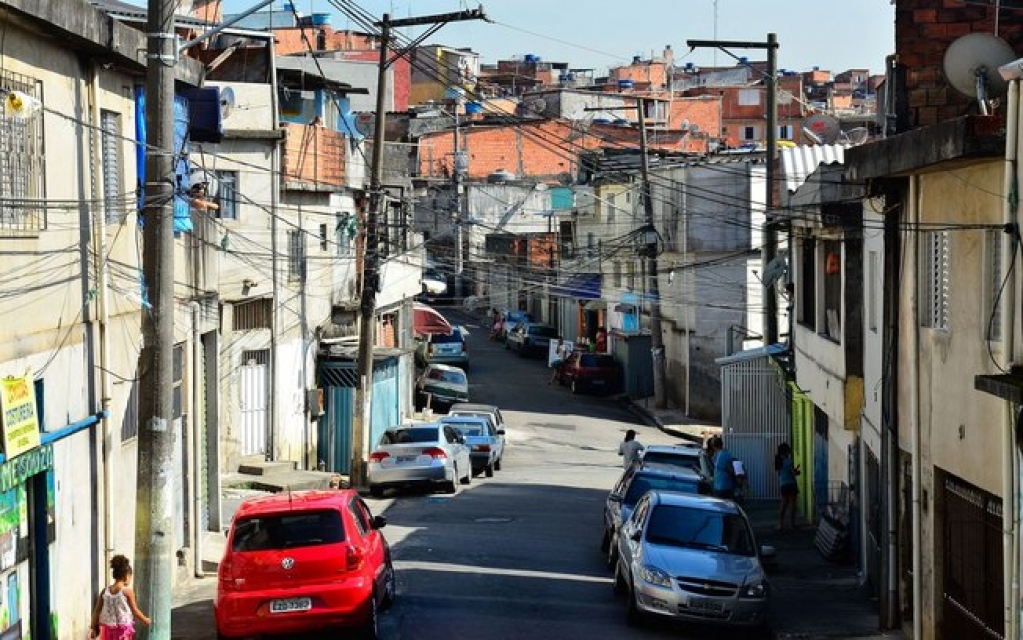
(481, 447)
(378, 456)
(353, 559)
(226, 578)
(435, 452)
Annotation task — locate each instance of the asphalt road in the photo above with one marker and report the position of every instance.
(516, 555)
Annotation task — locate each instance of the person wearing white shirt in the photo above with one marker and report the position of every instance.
(630, 448)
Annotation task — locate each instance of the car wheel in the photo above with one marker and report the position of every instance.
(497, 465)
(376, 491)
(619, 584)
(605, 542)
(522, 351)
(369, 632)
(633, 616)
(468, 476)
(612, 550)
(489, 471)
(390, 585)
(452, 485)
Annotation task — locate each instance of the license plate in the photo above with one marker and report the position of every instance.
(290, 604)
(706, 605)
(404, 459)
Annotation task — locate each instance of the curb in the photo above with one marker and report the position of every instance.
(653, 421)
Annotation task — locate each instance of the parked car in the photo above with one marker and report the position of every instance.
(466, 409)
(298, 562)
(512, 319)
(633, 483)
(442, 384)
(485, 442)
(688, 455)
(531, 337)
(692, 558)
(440, 348)
(585, 371)
(422, 453)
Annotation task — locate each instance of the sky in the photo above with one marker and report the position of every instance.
(596, 34)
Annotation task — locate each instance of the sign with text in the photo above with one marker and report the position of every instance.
(20, 422)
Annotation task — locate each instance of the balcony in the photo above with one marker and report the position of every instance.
(314, 158)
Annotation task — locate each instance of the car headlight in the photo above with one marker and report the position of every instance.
(756, 589)
(655, 576)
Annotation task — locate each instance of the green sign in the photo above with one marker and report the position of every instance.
(14, 472)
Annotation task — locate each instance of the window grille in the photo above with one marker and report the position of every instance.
(296, 254)
(227, 195)
(253, 314)
(934, 280)
(113, 166)
(22, 165)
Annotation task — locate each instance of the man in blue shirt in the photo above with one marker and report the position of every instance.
(724, 469)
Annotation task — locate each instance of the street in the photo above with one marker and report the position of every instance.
(516, 555)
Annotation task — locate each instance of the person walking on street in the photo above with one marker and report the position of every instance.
(787, 472)
(558, 364)
(114, 615)
(630, 448)
(724, 469)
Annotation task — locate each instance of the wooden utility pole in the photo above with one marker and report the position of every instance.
(154, 530)
(651, 250)
(770, 243)
(371, 258)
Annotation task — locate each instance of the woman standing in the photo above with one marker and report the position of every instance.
(787, 473)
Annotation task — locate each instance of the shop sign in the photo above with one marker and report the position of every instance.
(20, 422)
(15, 472)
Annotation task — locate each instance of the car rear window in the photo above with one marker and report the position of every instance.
(684, 460)
(641, 483)
(445, 376)
(410, 435)
(454, 336)
(288, 530)
(469, 430)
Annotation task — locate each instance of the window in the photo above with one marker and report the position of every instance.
(785, 132)
(177, 375)
(808, 284)
(130, 419)
(611, 206)
(296, 254)
(749, 97)
(630, 276)
(749, 133)
(934, 280)
(362, 521)
(872, 290)
(344, 232)
(617, 274)
(253, 314)
(21, 162)
(113, 166)
(227, 195)
(832, 289)
(995, 279)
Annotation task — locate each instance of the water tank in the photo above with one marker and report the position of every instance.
(499, 176)
(532, 58)
(743, 60)
(601, 121)
(473, 108)
(321, 19)
(624, 84)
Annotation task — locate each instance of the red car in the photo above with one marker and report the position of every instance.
(303, 561)
(591, 371)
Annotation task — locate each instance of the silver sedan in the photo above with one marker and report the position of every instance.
(692, 558)
(426, 453)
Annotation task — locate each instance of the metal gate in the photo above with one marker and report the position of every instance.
(255, 377)
(872, 504)
(334, 445)
(972, 596)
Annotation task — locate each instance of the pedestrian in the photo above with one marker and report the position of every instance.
(496, 325)
(601, 340)
(630, 448)
(787, 473)
(336, 483)
(724, 469)
(114, 615)
(558, 363)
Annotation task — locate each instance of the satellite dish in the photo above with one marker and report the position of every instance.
(226, 102)
(694, 129)
(856, 136)
(971, 66)
(365, 123)
(19, 104)
(539, 105)
(821, 128)
(685, 124)
(774, 270)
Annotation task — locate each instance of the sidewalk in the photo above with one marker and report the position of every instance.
(812, 597)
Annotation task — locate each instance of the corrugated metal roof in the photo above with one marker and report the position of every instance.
(798, 162)
(769, 351)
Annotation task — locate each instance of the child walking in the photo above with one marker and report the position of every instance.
(115, 611)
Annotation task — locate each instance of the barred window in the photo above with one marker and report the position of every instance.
(934, 280)
(113, 166)
(21, 162)
(227, 195)
(253, 314)
(296, 254)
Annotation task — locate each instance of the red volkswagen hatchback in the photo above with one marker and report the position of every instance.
(303, 561)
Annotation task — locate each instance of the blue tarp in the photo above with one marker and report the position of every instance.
(182, 213)
(581, 286)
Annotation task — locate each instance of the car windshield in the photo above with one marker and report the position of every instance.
(687, 527)
(641, 483)
(444, 375)
(288, 530)
(410, 435)
(543, 332)
(594, 360)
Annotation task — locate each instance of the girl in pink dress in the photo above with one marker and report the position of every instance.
(114, 615)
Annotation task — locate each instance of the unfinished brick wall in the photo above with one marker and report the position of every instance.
(314, 155)
(924, 29)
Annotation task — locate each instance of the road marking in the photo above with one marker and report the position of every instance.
(497, 571)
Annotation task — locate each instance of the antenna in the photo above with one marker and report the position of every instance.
(226, 102)
(821, 128)
(971, 66)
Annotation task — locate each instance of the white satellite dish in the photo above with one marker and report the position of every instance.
(685, 124)
(226, 102)
(856, 136)
(365, 123)
(971, 66)
(821, 128)
(537, 105)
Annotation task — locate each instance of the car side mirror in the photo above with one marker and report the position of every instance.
(636, 535)
(379, 522)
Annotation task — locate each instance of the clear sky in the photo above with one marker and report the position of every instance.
(831, 34)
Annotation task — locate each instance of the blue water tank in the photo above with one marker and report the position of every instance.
(601, 121)
(321, 19)
(288, 7)
(625, 84)
(531, 58)
(473, 107)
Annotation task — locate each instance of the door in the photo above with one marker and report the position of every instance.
(255, 374)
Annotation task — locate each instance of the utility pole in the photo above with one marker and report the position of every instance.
(770, 246)
(155, 476)
(371, 258)
(654, 288)
(456, 216)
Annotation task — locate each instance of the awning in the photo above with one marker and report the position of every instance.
(596, 305)
(427, 320)
(581, 286)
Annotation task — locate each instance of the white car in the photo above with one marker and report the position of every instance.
(442, 384)
(423, 453)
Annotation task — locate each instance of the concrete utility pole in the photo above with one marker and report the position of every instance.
(656, 338)
(154, 499)
(371, 259)
(456, 215)
(770, 247)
